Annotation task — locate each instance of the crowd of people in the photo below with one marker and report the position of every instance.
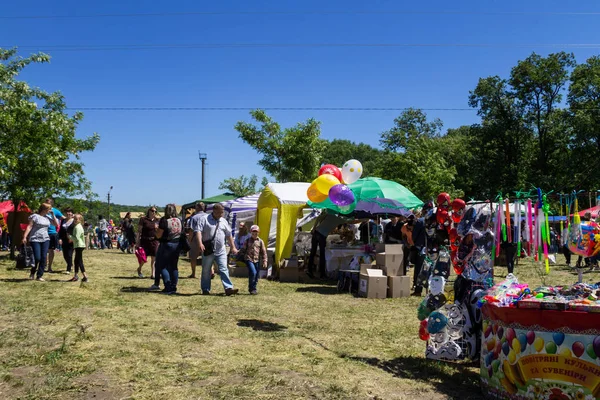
(158, 242)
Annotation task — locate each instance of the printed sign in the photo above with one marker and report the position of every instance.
(527, 364)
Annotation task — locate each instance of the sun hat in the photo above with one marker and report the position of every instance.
(254, 228)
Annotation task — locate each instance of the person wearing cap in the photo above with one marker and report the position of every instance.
(255, 254)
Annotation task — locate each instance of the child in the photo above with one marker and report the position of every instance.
(255, 255)
(78, 238)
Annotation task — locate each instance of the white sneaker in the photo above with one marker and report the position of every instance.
(154, 287)
(67, 272)
(140, 275)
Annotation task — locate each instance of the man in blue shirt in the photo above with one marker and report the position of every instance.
(52, 232)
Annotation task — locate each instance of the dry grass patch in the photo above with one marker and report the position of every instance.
(110, 339)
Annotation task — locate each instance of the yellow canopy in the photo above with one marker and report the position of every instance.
(289, 199)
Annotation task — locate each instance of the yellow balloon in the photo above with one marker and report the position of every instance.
(326, 182)
(566, 352)
(516, 345)
(314, 195)
(538, 344)
(512, 357)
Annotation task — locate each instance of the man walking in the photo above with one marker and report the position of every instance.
(102, 228)
(52, 232)
(194, 225)
(212, 232)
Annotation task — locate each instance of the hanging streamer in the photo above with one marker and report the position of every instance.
(508, 235)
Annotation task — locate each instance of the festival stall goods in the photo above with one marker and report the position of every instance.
(289, 199)
(541, 343)
(452, 331)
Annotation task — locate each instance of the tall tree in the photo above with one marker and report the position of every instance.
(538, 83)
(502, 144)
(39, 150)
(242, 186)
(584, 104)
(290, 154)
(414, 155)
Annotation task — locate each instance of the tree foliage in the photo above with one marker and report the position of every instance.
(290, 154)
(243, 186)
(39, 150)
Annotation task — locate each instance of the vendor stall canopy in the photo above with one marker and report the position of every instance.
(376, 196)
(288, 199)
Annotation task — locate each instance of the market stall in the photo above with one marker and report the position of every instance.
(541, 343)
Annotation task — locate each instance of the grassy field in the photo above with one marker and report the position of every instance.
(110, 339)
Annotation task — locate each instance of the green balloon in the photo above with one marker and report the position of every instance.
(589, 349)
(551, 348)
(495, 365)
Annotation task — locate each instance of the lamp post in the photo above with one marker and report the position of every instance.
(109, 190)
(203, 158)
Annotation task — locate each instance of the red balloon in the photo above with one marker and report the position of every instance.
(331, 170)
(423, 332)
(578, 349)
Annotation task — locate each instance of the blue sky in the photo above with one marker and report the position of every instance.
(151, 157)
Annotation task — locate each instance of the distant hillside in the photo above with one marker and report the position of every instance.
(91, 209)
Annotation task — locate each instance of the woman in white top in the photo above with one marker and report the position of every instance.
(37, 236)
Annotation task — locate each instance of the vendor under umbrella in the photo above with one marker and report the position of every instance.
(324, 224)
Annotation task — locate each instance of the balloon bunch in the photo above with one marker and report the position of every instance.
(332, 183)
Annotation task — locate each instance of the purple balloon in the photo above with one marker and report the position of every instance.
(341, 195)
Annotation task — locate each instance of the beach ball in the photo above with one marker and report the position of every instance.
(351, 171)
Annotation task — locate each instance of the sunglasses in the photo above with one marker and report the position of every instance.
(152, 210)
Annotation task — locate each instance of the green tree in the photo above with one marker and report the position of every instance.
(290, 154)
(584, 106)
(415, 157)
(538, 83)
(39, 150)
(338, 151)
(243, 186)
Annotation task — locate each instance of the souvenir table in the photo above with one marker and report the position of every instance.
(537, 353)
(338, 258)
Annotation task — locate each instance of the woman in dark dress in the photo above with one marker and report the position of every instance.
(129, 232)
(146, 238)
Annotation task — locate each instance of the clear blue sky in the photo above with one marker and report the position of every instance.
(152, 156)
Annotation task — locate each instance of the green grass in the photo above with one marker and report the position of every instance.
(107, 340)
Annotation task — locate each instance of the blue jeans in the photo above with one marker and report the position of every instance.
(102, 239)
(167, 258)
(252, 275)
(207, 262)
(40, 252)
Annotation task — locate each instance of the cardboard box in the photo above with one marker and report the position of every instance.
(365, 267)
(372, 284)
(398, 286)
(380, 248)
(289, 271)
(238, 272)
(392, 264)
(394, 249)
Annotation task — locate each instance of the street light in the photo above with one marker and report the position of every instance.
(111, 188)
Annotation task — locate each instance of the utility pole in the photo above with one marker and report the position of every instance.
(109, 203)
(203, 158)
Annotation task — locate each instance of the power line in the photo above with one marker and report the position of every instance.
(78, 48)
(305, 12)
(278, 109)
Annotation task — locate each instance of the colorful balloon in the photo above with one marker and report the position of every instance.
(325, 182)
(566, 352)
(578, 349)
(500, 332)
(505, 348)
(512, 357)
(351, 171)
(495, 365)
(510, 335)
(530, 337)
(516, 346)
(596, 344)
(589, 349)
(314, 195)
(538, 344)
(341, 195)
(490, 344)
(551, 348)
(558, 337)
(523, 341)
(330, 169)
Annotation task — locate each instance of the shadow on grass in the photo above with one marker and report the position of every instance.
(137, 278)
(453, 380)
(326, 290)
(137, 289)
(263, 326)
(15, 280)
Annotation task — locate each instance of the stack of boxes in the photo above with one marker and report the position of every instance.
(387, 278)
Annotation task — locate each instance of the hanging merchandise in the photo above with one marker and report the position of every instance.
(529, 228)
(518, 224)
(584, 236)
